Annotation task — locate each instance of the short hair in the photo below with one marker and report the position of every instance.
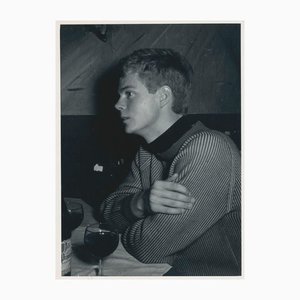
(159, 67)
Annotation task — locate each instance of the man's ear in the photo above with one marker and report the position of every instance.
(165, 95)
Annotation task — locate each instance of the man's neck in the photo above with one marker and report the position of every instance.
(163, 125)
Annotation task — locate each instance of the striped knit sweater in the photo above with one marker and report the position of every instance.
(202, 241)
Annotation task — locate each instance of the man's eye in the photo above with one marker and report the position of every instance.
(129, 94)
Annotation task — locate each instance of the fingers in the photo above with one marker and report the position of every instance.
(169, 197)
(171, 186)
(176, 196)
(166, 202)
(172, 178)
(161, 202)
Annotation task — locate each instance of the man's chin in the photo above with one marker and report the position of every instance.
(128, 130)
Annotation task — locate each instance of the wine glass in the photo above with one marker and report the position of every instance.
(75, 216)
(101, 241)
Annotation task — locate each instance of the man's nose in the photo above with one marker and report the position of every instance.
(120, 105)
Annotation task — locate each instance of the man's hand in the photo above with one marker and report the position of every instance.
(169, 197)
(166, 197)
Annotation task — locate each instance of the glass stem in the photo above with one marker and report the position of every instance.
(100, 267)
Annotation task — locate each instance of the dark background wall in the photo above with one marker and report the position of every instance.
(91, 131)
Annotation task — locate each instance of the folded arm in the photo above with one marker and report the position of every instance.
(130, 202)
(204, 167)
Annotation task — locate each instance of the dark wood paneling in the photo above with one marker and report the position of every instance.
(212, 49)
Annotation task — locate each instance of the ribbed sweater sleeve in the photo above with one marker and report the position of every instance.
(117, 212)
(204, 164)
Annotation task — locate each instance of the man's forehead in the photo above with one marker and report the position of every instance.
(129, 80)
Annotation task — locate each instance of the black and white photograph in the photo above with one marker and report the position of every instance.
(150, 149)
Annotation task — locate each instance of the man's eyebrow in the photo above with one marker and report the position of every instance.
(125, 88)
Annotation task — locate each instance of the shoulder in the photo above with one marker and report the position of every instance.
(207, 141)
(204, 136)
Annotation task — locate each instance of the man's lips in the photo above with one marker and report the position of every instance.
(124, 119)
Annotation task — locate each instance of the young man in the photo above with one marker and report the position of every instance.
(180, 203)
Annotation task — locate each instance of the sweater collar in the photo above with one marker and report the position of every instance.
(170, 136)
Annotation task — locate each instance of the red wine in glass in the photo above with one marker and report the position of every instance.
(75, 217)
(101, 241)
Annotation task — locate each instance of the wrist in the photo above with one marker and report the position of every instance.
(137, 205)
